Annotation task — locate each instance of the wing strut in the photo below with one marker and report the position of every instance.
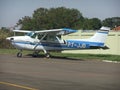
(39, 42)
(46, 53)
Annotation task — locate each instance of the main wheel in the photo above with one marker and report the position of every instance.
(35, 54)
(47, 55)
(19, 54)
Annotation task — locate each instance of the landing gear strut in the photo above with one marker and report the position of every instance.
(19, 54)
(47, 55)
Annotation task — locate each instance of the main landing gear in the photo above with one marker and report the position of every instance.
(47, 55)
(35, 54)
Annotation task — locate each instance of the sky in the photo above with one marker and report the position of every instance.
(13, 10)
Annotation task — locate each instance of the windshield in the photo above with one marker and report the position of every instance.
(31, 34)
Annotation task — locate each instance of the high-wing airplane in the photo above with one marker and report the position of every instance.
(48, 40)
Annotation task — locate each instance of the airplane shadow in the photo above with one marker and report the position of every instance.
(66, 58)
(57, 57)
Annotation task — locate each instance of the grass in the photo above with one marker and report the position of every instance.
(91, 56)
(12, 51)
(75, 56)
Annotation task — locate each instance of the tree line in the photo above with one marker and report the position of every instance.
(61, 17)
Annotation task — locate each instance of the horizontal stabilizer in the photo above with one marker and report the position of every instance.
(98, 47)
(105, 28)
(105, 47)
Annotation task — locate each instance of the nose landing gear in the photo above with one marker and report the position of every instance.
(19, 54)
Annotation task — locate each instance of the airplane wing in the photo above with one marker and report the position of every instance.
(22, 31)
(62, 31)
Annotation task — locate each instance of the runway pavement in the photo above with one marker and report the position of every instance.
(29, 73)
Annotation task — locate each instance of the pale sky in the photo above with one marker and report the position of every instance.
(12, 10)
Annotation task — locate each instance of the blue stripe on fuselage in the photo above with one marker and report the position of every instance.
(83, 44)
(86, 42)
(70, 44)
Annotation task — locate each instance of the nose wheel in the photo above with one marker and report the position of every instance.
(19, 54)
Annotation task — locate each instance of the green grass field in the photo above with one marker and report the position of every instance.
(74, 56)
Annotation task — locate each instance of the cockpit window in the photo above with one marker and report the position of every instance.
(40, 36)
(31, 34)
(34, 35)
(50, 38)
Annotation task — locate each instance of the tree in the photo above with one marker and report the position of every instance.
(95, 23)
(64, 17)
(92, 24)
(40, 18)
(111, 22)
(61, 17)
(26, 23)
(52, 18)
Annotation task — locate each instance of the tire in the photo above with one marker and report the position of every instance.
(47, 55)
(35, 54)
(19, 54)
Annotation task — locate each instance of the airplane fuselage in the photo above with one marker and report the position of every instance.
(28, 43)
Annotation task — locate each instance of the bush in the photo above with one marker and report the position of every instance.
(3, 42)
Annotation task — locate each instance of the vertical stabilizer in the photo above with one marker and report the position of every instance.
(101, 35)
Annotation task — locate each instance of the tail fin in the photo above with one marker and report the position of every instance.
(101, 35)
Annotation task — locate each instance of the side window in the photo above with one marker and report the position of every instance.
(45, 38)
(50, 38)
(40, 36)
(34, 35)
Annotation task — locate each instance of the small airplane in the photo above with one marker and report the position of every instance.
(49, 40)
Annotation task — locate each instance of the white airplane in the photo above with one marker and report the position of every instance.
(48, 40)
